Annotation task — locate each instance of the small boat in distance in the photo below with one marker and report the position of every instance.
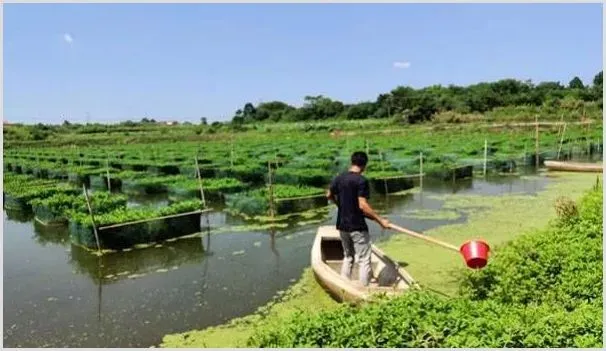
(574, 166)
(326, 261)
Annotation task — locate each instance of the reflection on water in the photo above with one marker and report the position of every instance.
(136, 263)
(19, 216)
(45, 235)
(57, 294)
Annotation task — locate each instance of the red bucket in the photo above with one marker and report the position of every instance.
(475, 253)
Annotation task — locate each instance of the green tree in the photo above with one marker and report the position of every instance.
(597, 80)
(362, 110)
(576, 83)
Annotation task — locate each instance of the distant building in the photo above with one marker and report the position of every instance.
(171, 123)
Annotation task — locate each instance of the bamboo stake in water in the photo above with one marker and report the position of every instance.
(383, 169)
(271, 191)
(561, 141)
(109, 183)
(421, 169)
(124, 224)
(199, 175)
(92, 218)
(485, 155)
(536, 123)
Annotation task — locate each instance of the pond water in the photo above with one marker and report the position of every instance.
(58, 295)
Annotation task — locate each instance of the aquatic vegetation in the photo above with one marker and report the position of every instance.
(122, 215)
(60, 207)
(288, 199)
(525, 297)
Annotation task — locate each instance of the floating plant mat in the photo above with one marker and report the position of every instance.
(443, 214)
(250, 227)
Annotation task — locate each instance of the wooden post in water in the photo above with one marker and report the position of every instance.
(421, 170)
(199, 176)
(271, 190)
(485, 155)
(383, 169)
(202, 197)
(536, 123)
(109, 183)
(560, 126)
(561, 141)
(92, 218)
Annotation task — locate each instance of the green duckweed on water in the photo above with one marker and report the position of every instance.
(432, 214)
(496, 219)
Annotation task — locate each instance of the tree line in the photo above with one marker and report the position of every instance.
(418, 105)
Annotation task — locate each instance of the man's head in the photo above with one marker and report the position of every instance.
(359, 159)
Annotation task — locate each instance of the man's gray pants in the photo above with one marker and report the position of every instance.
(356, 243)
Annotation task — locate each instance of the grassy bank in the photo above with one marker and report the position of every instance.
(496, 219)
(543, 289)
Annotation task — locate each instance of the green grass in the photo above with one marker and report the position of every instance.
(543, 289)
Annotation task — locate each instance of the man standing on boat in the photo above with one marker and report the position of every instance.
(350, 192)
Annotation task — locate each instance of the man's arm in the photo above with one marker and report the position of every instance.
(330, 194)
(363, 195)
(370, 213)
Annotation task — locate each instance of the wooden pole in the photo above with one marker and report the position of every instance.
(485, 155)
(92, 218)
(153, 219)
(560, 127)
(199, 175)
(587, 139)
(383, 169)
(276, 160)
(536, 123)
(424, 237)
(109, 183)
(271, 190)
(561, 141)
(421, 170)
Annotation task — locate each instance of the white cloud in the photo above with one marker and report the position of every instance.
(68, 38)
(401, 64)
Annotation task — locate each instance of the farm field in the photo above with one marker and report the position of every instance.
(262, 199)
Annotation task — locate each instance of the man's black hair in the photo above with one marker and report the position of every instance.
(359, 158)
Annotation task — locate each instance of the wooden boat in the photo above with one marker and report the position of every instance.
(326, 260)
(574, 166)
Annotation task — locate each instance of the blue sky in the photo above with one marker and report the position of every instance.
(114, 62)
